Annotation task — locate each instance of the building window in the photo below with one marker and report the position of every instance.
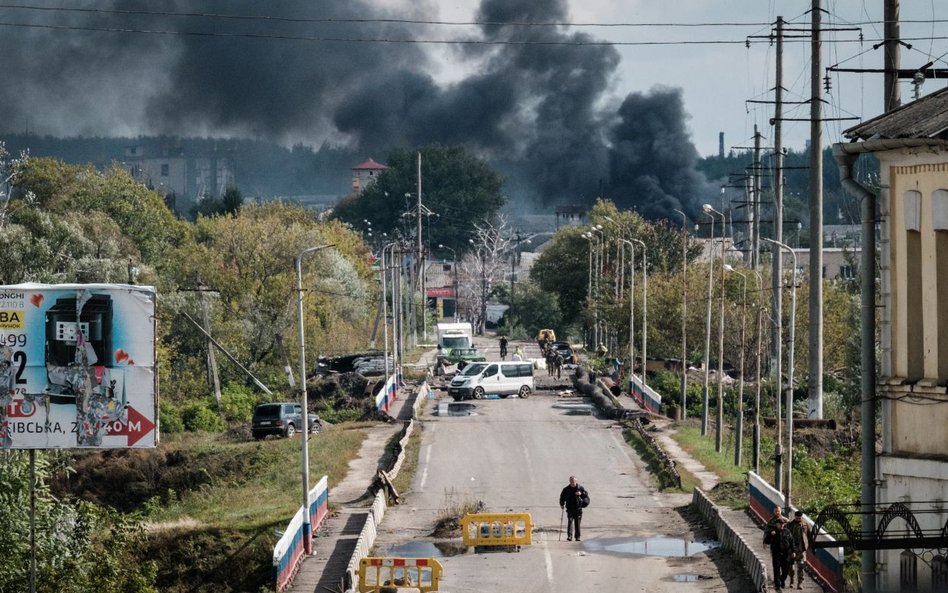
(846, 272)
(914, 330)
(164, 170)
(446, 267)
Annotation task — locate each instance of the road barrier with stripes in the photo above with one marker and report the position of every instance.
(288, 551)
(388, 393)
(644, 395)
(496, 529)
(826, 564)
(423, 574)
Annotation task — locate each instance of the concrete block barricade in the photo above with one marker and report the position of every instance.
(288, 551)
(732, 540)
(414, 574)
(825, 564)
(483, 530)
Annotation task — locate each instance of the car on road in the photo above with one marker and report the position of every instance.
(564, 350)
(503, 379)
(280, 419)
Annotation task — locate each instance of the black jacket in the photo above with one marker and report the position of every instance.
(570, 498)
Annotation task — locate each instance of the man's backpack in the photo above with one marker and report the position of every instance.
(584, 499)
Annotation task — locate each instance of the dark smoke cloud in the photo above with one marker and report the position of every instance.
(539, 112)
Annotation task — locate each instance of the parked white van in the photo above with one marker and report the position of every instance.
(501, 378)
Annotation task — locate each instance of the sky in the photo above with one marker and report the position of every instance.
(585, 105)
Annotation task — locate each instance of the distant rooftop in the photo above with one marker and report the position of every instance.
(369, 165)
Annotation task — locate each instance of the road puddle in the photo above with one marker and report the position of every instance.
(685, 578)
(425, 550)
(456, 409)
(658, 545)
(575, 408)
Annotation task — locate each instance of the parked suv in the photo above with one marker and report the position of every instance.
(281, 419)
(564, 350)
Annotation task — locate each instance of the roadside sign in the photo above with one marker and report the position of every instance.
(77, 366)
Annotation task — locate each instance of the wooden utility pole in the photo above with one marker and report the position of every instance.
(815, 404)
(755, 205)
(892, 55)
(776, 256)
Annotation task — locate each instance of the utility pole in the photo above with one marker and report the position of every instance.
(755, 205)
(776, 257)
(419, 265)
(892, 55)
(815, 405)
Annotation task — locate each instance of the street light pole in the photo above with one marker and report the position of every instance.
(307, 525)
(644, 310)
(739, 419)
(719, 428)
(684, 312)
(707, 340)
(760, 336)
(789, 396)
(631, 312)
(454, 270)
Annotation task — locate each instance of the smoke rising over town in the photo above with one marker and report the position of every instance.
(544, 113)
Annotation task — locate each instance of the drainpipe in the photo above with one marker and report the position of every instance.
(868, 357)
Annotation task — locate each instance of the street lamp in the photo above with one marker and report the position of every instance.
(707, 333)
(739, 420)
(589, 289)
(307, 526)
(789, 397)
(599, 257)
(644, 308)
(632, 314)
(684, 311)
(718, 436)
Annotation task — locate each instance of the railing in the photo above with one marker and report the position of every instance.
(288, 551)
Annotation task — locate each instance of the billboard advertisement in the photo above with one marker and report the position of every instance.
(77, 366)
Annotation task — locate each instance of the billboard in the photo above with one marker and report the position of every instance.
(77, 366)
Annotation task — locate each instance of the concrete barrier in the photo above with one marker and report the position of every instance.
(288, 551)
(732, 540)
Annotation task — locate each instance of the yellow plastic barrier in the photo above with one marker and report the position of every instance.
(496, 529)
(420, 574)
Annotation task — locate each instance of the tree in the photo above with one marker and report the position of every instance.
(458, 190)
(229, 203)
(482, 269)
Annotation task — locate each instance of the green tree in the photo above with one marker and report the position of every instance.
(229, 203)
(458, 189)
(80, 546)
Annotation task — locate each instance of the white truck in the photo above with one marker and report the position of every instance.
(456, 344)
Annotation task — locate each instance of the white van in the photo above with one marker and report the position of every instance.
(501, 378)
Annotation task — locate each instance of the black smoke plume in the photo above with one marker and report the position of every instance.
(541, 112)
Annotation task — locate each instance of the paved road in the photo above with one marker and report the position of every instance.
(515, 455)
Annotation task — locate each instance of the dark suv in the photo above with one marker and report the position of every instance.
(564, 350)
(281, 419)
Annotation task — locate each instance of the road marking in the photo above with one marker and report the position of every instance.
(549, 563)
(424, 473)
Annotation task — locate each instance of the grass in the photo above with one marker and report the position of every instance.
(267, 485)
(406, 474)
(702, 448)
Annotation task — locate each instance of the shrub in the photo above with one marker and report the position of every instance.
(237, 403)
(199, 416)
(169, 417)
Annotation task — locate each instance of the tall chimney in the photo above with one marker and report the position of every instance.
(721, 144)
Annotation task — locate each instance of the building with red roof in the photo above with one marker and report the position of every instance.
(364, 174)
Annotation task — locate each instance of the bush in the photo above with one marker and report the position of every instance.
(199, 416)
(169, 417)
(237, 403)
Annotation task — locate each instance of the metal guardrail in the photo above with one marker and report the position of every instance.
(732, 540)
(380, 574)
(496, 529)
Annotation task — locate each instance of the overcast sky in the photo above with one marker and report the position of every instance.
(129, 67)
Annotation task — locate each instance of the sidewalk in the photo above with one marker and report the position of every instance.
(335, 542)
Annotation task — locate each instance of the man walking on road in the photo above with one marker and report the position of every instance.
(780, 540)
(801, 535)
(573, 499)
